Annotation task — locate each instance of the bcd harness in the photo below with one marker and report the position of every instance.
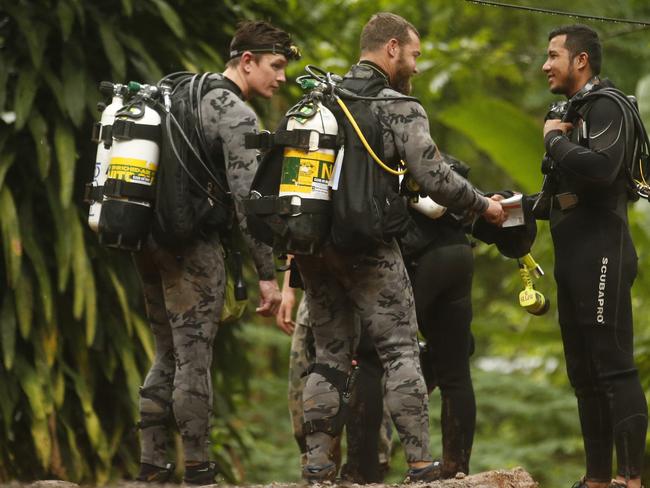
(322, 178)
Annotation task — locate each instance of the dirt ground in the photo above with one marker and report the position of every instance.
(516, 478)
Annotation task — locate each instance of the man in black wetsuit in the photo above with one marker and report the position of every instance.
(595, 259)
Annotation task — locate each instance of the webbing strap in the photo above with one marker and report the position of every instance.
(298, 138)
(93, 193)
(125, 189)
(127, 130)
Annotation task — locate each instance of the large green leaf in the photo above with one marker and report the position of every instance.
(66, 155)
(8, 329)
(38, 127)
(24, 299)
(74, 86)
(65, 13)
(504, 132)
(643, 97)
(127, 7)
(113, 48)
(171, 18)
(35, 254)
(11, 242)
(6, 161)
(31, 383)
(33, 30)
(8, 399)
(122, 299)
(143, 331)
(26, 88)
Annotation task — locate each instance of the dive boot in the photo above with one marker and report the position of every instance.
(313, 474)
(201, 474)
(150, 473)
(432, 472)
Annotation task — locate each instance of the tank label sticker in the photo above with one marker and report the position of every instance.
(307, 174)
(132, 170)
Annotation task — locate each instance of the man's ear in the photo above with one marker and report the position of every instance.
(392, 47)
(581, 60)
(247, 59)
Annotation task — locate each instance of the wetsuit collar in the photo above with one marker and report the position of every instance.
(589, 86)
(376, 68)
(233, 87)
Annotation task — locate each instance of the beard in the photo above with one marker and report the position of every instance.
(402, 78)
(567, 85)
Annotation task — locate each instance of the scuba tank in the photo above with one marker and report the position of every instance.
(423, 204)
(128, 190)
(102, 136)
(306, 175)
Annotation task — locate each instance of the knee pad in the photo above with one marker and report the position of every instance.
(154, 410)
(343, 384)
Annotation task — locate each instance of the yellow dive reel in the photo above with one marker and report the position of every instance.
(529, 298)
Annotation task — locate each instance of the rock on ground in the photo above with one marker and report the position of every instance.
(515, 478)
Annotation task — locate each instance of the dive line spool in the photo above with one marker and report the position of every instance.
(129, 187)
(529, 298)
(102, 136)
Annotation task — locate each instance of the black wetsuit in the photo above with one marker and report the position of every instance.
(440, 263)
(595, 266)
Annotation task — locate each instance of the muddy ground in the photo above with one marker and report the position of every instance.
(516, 478)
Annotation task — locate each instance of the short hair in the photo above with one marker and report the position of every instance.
(581, 38)
(256, 34)
(384, 26)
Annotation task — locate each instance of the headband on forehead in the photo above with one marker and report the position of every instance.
(291, 52)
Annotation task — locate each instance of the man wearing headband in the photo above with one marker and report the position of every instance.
(184, 288)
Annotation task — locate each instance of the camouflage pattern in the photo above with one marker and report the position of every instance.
(301, 358)
(184, 294)
(375, 286)
(405, 127)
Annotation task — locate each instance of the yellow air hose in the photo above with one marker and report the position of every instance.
(365, 142)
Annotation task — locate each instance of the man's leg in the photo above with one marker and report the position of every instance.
(194, 284)
(324, 408)
(156, 393)
(299, 361)
(381, 292)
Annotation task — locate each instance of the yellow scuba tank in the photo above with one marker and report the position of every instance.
(102, 135)
(306, 177)
(128, 190)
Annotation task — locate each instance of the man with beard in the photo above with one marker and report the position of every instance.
(374, 283)
(595, 261)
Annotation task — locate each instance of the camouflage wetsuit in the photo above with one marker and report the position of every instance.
(375, 284)
(301, 358)
(184, 293)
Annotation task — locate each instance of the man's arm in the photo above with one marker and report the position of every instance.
(410, 127)
(226, 119)
(599, 163)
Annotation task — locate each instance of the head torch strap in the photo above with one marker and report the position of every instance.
(290, 52)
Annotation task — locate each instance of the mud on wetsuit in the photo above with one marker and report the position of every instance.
(184, 293)
(376, 285)
(595, 266)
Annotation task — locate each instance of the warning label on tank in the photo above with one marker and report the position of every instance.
(306, 174)
(132, 170)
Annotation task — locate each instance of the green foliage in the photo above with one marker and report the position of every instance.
(74, 343)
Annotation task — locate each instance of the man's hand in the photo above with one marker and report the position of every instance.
(270, 298)
(556, 124)
(283, 319)
(495, 214)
